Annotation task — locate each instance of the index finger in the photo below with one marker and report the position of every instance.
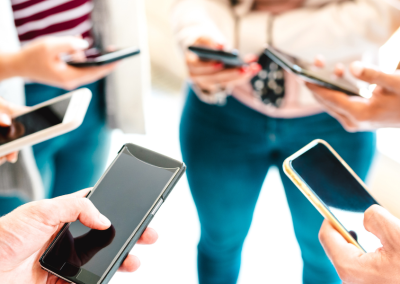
(373, 76)
(340, 101)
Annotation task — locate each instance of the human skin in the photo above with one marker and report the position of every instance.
(26, 232)
(356, 267)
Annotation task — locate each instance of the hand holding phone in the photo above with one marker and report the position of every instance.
(31, 227)
(129, 193)
(95, 57)
(335, 190)
(35, 124)
(212, 76)
(42, 61)
(310, 73)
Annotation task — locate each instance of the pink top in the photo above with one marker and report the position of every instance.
(291, 107)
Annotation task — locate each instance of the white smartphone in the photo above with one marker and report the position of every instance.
(44, 121)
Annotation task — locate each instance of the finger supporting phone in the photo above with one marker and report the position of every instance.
(309, 73)
(229, 59)
(129, 194)
(334, 189)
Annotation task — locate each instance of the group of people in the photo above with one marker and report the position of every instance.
(229, 136)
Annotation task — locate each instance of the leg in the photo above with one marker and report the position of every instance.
(356, 148)
(227, 164)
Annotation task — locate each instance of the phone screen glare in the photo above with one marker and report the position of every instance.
(338, 190)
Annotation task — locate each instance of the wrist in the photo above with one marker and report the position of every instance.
(11, 65)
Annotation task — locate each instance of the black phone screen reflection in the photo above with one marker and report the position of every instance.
(125, 195)
(338, 190)
(35, 121)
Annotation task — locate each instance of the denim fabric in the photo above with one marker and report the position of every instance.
(228, 151)
(74, 160)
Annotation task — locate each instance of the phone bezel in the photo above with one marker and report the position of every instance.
(107, 58)
(225, 57)
(76, 111)
(312, 197)
(303, 73)
(180, 169)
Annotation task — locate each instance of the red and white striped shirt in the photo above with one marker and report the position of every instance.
(38, 18)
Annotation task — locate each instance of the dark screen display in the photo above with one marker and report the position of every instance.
(125, 195)
(35, 121)
(338, 190)
(308, 70)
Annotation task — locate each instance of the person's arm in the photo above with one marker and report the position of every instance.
(361, 114)
(339, 30)
(356, 267)
(41, 61)
(199, 22)
(26, 232)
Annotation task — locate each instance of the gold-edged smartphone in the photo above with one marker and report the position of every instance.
(335, 191)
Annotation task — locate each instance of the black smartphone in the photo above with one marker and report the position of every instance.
(335, 191)
(94, 57)
(129, 193)
(309, 73)
(229, 59)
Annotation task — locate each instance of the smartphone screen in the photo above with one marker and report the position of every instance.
(322, 76)
(338, 190)
(95, 57)
(229, 59)
(125, 195)
(35, 121)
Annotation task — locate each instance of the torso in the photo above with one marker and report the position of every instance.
(39, 18)
(276, 6)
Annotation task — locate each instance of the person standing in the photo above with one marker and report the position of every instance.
(232, 130)
(75, 160)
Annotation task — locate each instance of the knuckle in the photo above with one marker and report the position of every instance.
(371, 214)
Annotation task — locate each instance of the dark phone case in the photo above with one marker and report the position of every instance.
(148, 157)
(309, 77)
(91, 62)
(229, 59)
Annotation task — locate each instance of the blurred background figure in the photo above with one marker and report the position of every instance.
(229, 147)
(268, 254)
(46, 31)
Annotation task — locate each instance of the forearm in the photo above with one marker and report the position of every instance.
(10, 65)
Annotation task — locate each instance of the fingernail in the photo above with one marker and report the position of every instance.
(5, 119)
(218, 65)
(357, 68)
(257, 68)
(80, 44)
(244, 70)
(14, 160)
(104, 220)
(220, 46)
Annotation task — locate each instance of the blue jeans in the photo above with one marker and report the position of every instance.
(74, 160)
(228, 151)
